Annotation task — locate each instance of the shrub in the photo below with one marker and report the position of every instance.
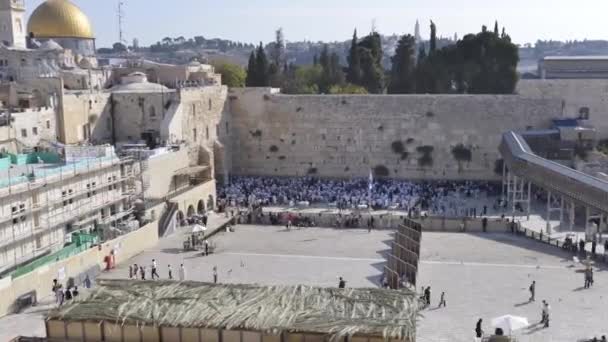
(462, 153)
(409, 140)
(312, 171)
(256, 134)
(405, 155)
(381, 171)
(430, 114)
(425, 149)
(398, 147)
(425, 160)
(282, 157)
(273, 149)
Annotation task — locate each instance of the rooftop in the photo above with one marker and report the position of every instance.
(273, 309)
(582, 58)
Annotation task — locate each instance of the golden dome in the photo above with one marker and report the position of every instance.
(59, 19)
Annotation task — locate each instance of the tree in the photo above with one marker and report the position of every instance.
(354, 62)
(262, 77)
(233, 75)
(167, 41)
(250, 81)
(496, 27)
(372, 71)
(403, 67)
(277, 50)
(119, 47)
(433, 41)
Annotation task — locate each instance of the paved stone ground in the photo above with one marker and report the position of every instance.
(484, 275)
(491, 281)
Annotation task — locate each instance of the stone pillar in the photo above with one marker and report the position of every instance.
(571, 215)
(548, 224)
(529, 199)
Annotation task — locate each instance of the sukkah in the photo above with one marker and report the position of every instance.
(390, 314)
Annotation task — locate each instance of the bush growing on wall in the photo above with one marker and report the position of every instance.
(398, 147)
(426, 159)
(462, 153)
(381, 171)
(273, 149)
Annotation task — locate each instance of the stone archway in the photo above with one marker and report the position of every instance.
(180, 217)
(200, 208)
(210, 203)
(190, 211)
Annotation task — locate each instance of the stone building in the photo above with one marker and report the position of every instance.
(573, 67)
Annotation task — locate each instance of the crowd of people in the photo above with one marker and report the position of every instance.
(64, 294)
(447, 198)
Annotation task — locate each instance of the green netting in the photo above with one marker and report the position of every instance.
(64, 253)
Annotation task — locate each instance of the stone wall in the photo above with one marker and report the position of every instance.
(345, 136)
(576, 94)
(84, 115)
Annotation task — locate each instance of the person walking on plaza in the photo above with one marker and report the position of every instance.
(543, 313)
(606, 247)
(170, 271)
(581, 246)
(442, 300)
(182, 272)
(142, 272)
(427, 295)
(478, 329)
(215, 274)
(130, 271)
(532, 290)
(154, 274)
(587, 277)
(341, 283)
(593, 248)
(206, 243)
(547, 315)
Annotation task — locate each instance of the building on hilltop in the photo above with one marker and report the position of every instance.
(573, 67)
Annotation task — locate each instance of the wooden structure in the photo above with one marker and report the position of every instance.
(160, 311)
(402, 262)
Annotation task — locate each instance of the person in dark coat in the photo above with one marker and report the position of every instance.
(478, 330)
(427, 295)
(341, 283)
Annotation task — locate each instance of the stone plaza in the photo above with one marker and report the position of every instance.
(491, 282)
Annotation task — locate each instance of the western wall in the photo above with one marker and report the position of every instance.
(400, 136)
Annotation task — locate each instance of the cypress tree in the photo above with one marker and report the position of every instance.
(496, 28)
(261, 64)
(433, 42)
(250, 81)
(354, 62)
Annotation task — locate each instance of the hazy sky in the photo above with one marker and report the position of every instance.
(255, 20)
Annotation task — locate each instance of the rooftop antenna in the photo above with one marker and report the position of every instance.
(121, 17)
